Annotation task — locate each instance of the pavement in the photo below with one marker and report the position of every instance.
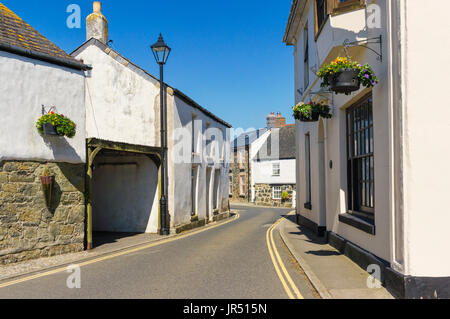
(229, 260)
(332, 274)
(259, 253)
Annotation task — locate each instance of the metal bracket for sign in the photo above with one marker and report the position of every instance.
(364, 44)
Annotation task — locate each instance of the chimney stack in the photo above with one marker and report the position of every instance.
(97, 25)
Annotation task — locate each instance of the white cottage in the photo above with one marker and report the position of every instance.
(123, 132)
(37, 77)
(273, 168)
(375, 176)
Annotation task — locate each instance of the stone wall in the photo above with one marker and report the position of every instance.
(28, 229)
(263, 195)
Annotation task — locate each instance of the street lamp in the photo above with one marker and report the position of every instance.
(161, 51)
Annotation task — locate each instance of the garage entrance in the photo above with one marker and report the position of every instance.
(123, 190)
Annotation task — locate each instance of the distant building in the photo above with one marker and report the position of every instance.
(243, 147)
(275, 121)
(273, 175)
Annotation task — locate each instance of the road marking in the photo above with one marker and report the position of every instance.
(278, 263)
(122, 253)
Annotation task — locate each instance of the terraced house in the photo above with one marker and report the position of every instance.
(374, 176)
(57, 192)
(36, 77)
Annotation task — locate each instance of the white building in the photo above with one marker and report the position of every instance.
(123, 131)
(273, 167)
(395, 214)
(37, 77)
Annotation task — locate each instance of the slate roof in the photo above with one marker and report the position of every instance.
(248, 137)
(19, 37)
(286, 142)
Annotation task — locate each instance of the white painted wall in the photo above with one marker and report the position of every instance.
(125, 197)
(262, 172)
(123, 106)
(334, 132)
(426, 132)
(410, 210)
(180, 203)
(26, 85)
(120, 103)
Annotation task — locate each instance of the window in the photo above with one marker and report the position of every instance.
(306, 54)
(230, 187)
(347, 4)
(276, 169)
(308, 169)
(242, 185)
(321, 14)
(276, 192)
(242, 158)
(194, 190)
(360, 164)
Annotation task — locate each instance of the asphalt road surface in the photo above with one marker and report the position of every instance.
(230, 261)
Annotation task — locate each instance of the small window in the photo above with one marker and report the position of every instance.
(308, 168)
(306, 58)
(242, 158)
(276, 169)
(276, 192)
(242, 185)
(321, 14)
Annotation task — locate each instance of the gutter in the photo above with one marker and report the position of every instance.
(44, 57)
(190, 101)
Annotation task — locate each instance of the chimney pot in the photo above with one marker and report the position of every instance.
(97, 25)
(97, 7)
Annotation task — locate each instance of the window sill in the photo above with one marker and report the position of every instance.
(358, 223)
(308, 206)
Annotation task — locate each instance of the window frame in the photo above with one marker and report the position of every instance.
(361, 159)
(306, 56)
(242, 155)
(308, 194)
(273, 192)
(242, 186)
(339, 7)
(276, 169)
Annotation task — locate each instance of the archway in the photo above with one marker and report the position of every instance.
(123, 183)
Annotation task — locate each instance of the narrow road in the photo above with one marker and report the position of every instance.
(231, 261)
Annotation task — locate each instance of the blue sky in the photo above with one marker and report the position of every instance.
(227, 55)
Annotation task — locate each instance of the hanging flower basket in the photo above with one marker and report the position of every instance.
(310, 112)
(344, 76)
(54, 124)
(345, 81)
(49, 129)
(47, 182)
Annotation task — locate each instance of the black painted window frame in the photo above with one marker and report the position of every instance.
(360, 159)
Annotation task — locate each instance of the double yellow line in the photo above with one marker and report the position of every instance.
(118, 254)
(286, 280)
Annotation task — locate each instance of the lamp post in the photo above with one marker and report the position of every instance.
(161, 52)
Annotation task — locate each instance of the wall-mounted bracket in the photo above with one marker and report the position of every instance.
(365, 44)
